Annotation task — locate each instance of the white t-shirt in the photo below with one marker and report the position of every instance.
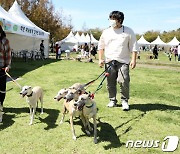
(118, 44)
(178, 49)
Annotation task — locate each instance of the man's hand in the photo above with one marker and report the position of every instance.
(101, 63)
(6, 69)
(133, 64)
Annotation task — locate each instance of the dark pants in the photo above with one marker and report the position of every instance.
(2, 86)
(118, 73)
(42, 55)
(179, 57)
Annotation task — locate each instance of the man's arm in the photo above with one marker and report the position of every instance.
(133, 60)
(101, 58)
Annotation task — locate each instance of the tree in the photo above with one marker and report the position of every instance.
(42, 14)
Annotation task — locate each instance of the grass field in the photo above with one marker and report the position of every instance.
(154, 109)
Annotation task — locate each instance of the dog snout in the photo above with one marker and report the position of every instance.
(75, 104)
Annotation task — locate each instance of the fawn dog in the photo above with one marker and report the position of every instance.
(89, 110)
(32, 97)
(70, 95)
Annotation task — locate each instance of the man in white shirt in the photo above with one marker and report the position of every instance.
(179, 52)
(115, 44)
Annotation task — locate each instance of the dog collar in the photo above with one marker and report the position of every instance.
(30, 94)
(90, 105)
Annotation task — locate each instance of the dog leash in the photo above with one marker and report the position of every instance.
(99, 86)
(92, 81)
(16, 83)
(5, 91)
(101, 83)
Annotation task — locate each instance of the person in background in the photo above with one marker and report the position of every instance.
(5, 61)
(42, 49)
(175, 52)
(155, 52)
(86, 50)
(179, 52)
(116, 43)
(57, 50)
(93, 50)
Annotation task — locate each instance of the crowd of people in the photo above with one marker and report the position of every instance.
(174, 51)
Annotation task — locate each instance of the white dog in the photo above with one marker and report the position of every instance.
(32, 97)
(1, 113)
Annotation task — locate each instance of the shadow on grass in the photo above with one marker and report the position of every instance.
(134, 119)
(50, 120)
(20, 67)
(108, 134)
(151, 107)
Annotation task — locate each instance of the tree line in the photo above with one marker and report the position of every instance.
(43, 14)
(165, 36)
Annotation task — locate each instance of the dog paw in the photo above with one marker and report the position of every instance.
(30, 123)
(74, 137)
(87, 132)
(61, 122)
(91, 129)
(1, 118)
(42, 112)
(95, 141)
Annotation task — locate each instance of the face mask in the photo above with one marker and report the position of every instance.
(112, 23)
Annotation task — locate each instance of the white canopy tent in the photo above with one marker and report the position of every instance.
(87, 38)
(83, 38)
(142, 41)
(78, 37)
(173, 42)
(27, 32)
(158, 41)
(69, 43)
(93, 40)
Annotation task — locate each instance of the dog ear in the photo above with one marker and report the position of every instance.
(29, 87)
(79, 92)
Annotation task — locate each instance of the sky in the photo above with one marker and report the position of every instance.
(140, 15)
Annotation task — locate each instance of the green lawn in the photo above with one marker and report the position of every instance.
(154, 114)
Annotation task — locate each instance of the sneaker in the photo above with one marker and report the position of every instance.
(112, 104)
(125, 106)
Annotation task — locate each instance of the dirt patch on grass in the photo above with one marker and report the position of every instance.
(159, 67)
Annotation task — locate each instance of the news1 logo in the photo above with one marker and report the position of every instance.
(169, 144)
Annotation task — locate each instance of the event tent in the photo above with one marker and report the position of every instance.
(142, 41)
(158, 41)
(93, 40)
(83, 39)
(78, 37)
(69, 43)
(173, 42)
(88, 39)
(28, 33)
(73, 41)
